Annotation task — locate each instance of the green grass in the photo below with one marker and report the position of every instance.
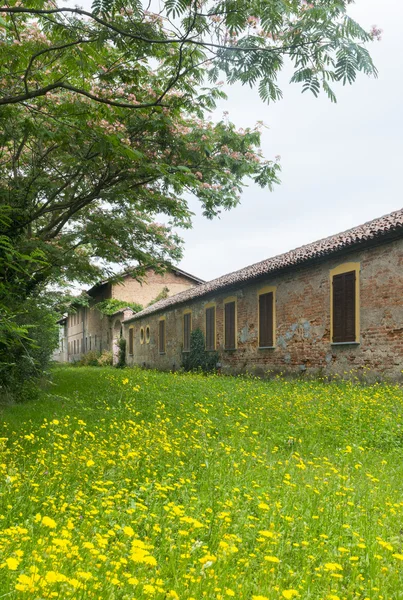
(131, 485)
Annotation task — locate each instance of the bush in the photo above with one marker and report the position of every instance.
(106, 359)
(26, 348)
(89, 359)
(122, 353)
(199, 359)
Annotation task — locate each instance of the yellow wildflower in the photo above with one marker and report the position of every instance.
(289, 594)
(48, 522)
(12, 563)
(272, 559)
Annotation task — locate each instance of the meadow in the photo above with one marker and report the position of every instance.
(138, 485)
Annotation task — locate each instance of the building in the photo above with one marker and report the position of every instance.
(86, 328)
(330, 307)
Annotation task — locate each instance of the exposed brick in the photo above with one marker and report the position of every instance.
(303, 321)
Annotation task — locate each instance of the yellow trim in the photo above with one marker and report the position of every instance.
(165, 335)
(131, 327)
(187, 311)
(346, 268)
(228, 301)
(267, 289)
(147, 337)
(142, 335)
(211, 305)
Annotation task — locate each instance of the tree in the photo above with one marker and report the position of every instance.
(104, 123)
(103, 116)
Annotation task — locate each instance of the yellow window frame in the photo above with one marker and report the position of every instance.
(339, 270)
(162, 319)
(228, 301)
(207, 306)
(267, 289)
(186, 312)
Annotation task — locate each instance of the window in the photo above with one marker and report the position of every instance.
(74, 343)
(90, 343)
(344, 306)
(141, 335)
(187, 329)
(230, 324)
(267, 317)
(210, 328)
(95, 342)
(131, 340)
(161, 336)
(86, 344)
(147, 334)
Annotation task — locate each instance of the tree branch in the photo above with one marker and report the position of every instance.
(60, 85)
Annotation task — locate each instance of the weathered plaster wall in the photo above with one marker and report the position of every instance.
(302, 322)
(91, 323)
(143, 293)
(95, 331)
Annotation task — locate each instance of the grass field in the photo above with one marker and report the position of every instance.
(132, 485)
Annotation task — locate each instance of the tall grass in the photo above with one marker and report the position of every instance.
(134, 485)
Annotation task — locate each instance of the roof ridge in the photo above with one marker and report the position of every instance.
(369, 230)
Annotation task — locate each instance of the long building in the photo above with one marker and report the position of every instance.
(87, 329)
(332, 307)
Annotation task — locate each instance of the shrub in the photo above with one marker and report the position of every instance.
(89, 359)
(110, 306)
(106, 359)
(199, 359)
(122, 353)
(26, 347)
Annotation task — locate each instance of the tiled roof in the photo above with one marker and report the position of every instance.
(371, 231)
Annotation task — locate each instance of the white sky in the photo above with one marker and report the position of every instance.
(341, 163)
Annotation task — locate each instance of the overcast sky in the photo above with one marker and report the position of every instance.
(342, 164)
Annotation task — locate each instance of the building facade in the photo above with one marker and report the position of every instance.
(333, 307)
(87, 329)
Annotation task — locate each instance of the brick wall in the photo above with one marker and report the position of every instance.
(143, 293)
(303, 322)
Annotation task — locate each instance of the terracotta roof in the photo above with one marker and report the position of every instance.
(371, 231)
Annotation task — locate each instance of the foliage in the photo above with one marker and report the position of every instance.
(94, 358)
(164, 293)
(27, 340)
(198, 358)
(122, 353)
(89, 359)
(254, 488)
(106, 359)
(110, 306)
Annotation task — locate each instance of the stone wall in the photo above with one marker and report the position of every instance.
(302, 322)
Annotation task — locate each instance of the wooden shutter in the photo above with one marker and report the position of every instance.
(344, 302)
(186, 331)
(266, 320)
(210, 328)
(229, 326)
(131, 337)
(162, 336)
